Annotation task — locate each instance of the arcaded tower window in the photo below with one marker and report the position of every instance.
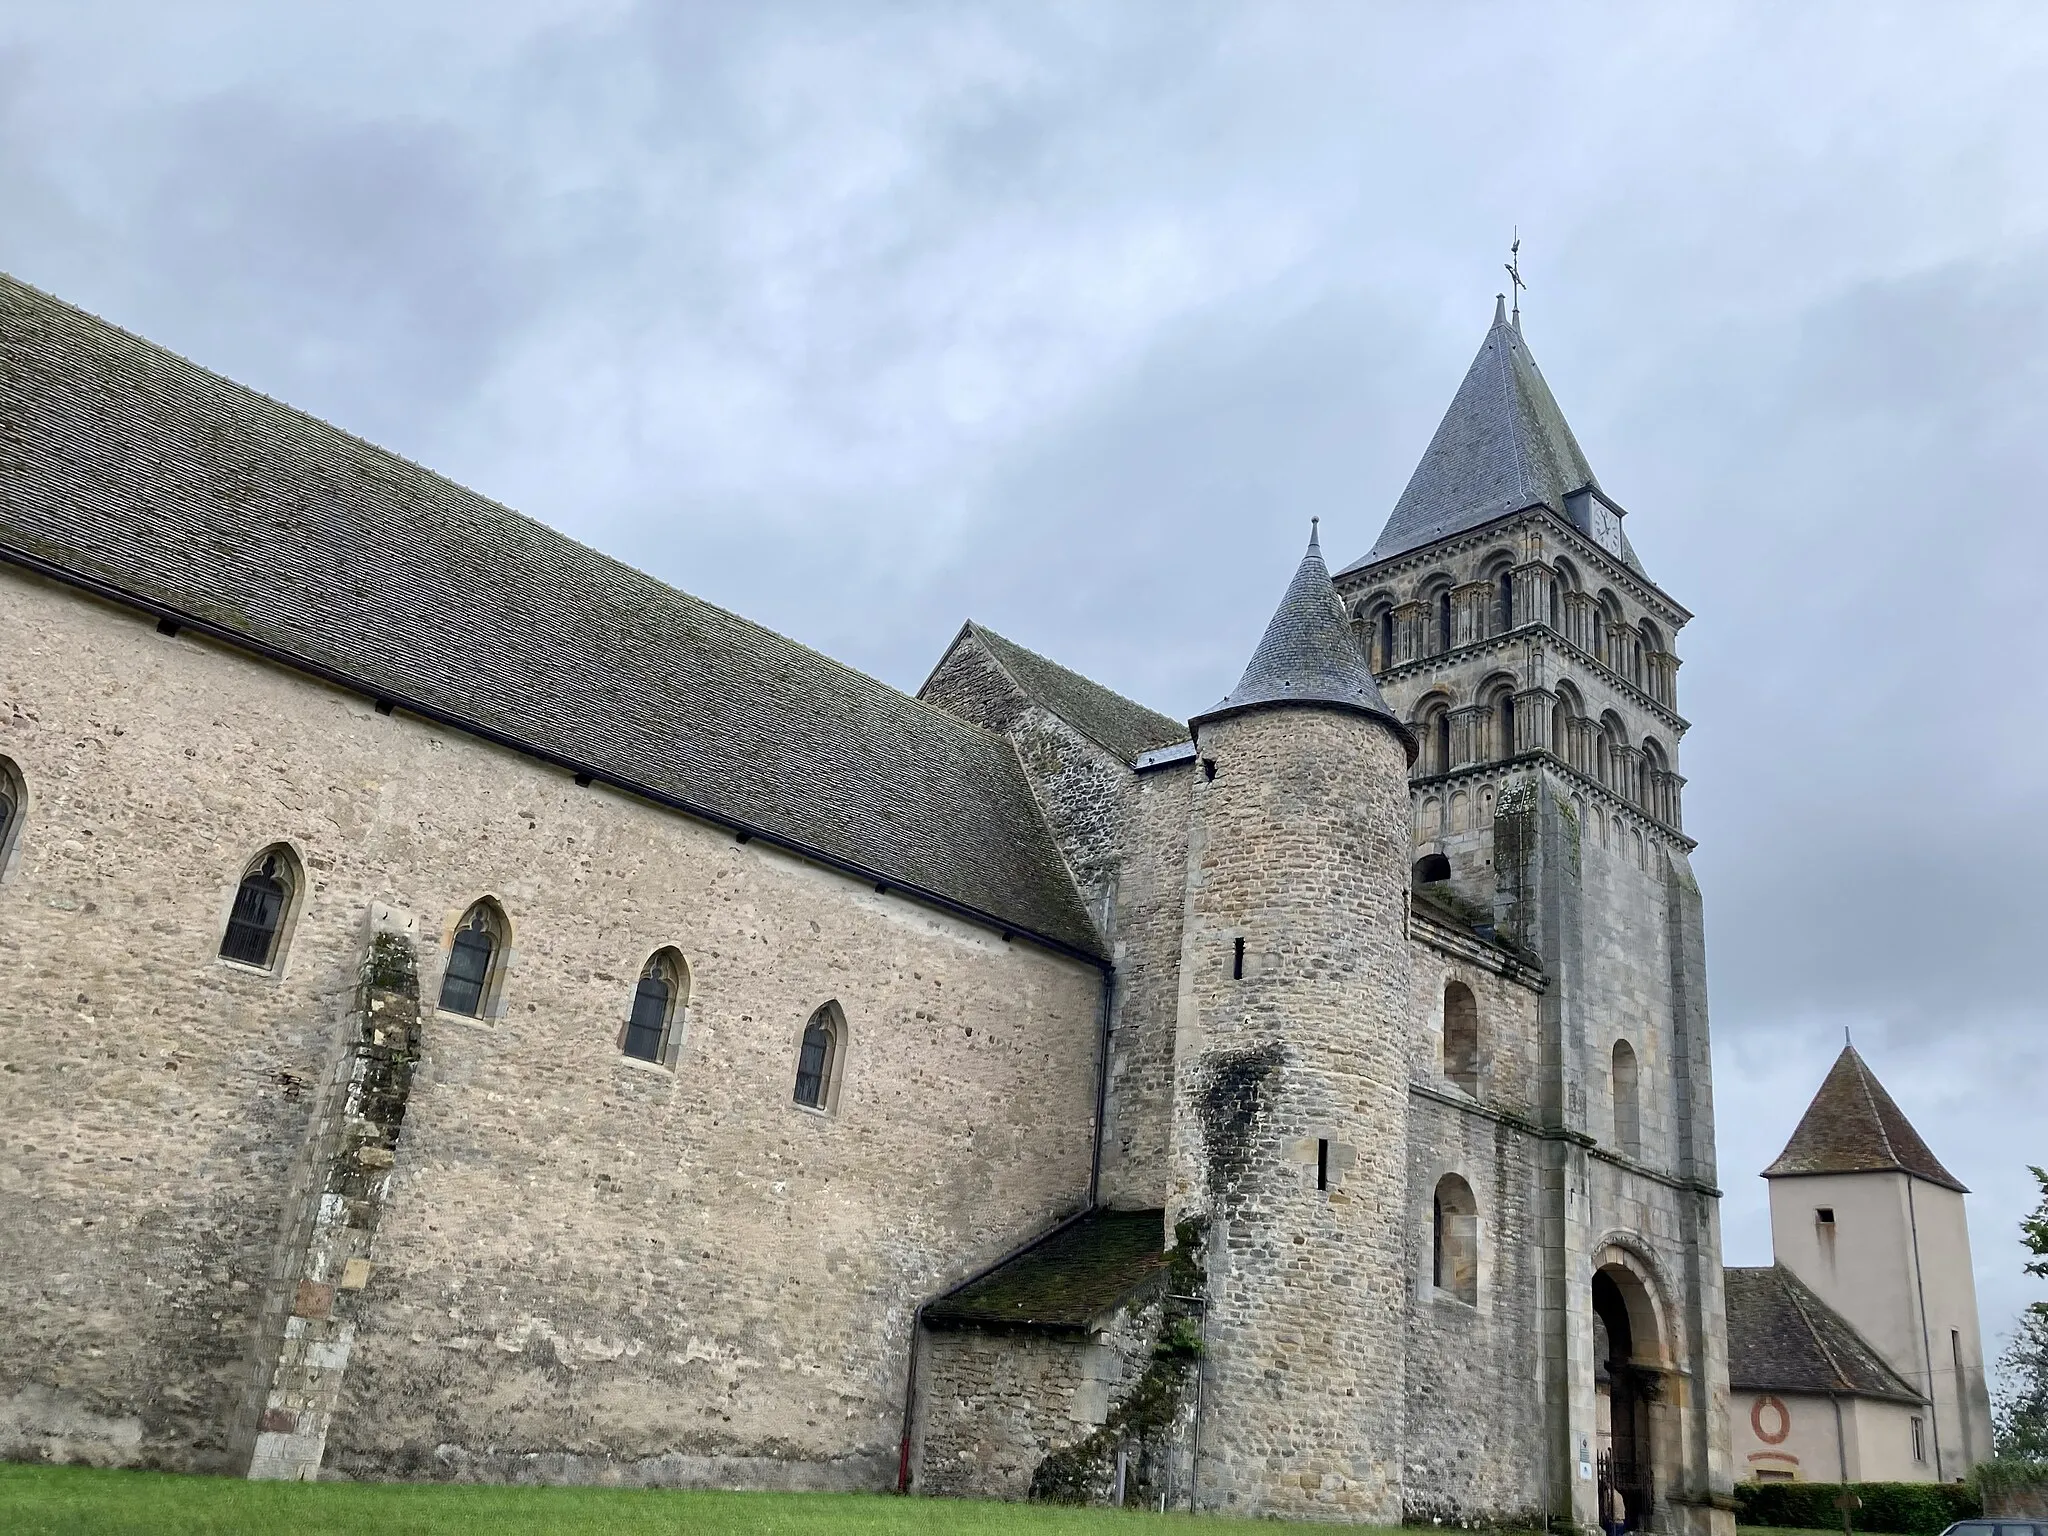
(1628, 1108)
(1461, 1037)
(475, 961)
(263, 901)
(817, 1062)
(1455, 1267)
(651, 1025)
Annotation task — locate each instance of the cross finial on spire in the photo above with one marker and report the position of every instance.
(1516, 285)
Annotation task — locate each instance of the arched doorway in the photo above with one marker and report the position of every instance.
(1626, 1384)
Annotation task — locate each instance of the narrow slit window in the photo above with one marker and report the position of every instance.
(1237, 959)
(1322, 1163)
(256, 921)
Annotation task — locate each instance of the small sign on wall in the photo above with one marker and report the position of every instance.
(1585, 1460)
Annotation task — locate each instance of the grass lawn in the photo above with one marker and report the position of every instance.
(43, 1501)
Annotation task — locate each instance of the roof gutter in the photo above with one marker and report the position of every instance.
(13, 554)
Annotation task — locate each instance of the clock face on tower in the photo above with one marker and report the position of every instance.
(1606, 527)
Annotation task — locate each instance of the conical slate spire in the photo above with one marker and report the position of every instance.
(1502, 446)
(1310, 656)
(1853, 1126)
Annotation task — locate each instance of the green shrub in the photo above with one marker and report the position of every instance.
(1905, 1509)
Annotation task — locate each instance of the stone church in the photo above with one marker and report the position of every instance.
(475, 1012)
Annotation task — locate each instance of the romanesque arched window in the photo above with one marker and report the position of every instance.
(1461, 1036)
(1446, 631)
(1628, 1107)
(819, 1057)
(1506, 583)
(13, 807)
(1432, 867)
(262, 909)
(476, 962)
(651, 1032)
(1433, 736)
(1455, 1258)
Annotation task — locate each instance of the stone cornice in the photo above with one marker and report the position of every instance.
(1465, 1104)
(1614, 570)
(1502, 767)
(1403, 671)
(1424, 927)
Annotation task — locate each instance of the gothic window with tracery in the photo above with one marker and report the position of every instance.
(817, 1061)
(263, 901)
(655, 999)
(475, 961)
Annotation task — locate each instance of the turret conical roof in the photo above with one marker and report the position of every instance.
(1852, 1126)
(1502, 446)
(1310, 656)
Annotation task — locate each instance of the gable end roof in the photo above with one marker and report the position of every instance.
(128, 470)
(1124, 729)
(1784, 1338)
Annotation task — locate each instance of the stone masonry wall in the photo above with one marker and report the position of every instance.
(590, 1267)
(1476, 1442)
(1125, 836)
(1300, 848)
(999, 1403)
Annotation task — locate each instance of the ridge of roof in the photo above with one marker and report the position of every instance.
(1310, 655)
(1503, 445)
(135, 473)
(1120, 726)
(1854, 1126)
(1783, 1338)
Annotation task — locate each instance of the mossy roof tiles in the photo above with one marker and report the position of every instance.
(1853, 1126)
(1784, 1338)
(1069, 1280)
(126, 468)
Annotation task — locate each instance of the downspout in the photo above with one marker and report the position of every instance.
(1841, 1442)
(1926, 1347)
(1101, 1086)
(917, 1333)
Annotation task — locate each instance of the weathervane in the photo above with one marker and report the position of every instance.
(1515, 276)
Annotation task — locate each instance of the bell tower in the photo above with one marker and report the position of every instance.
(1513, 629)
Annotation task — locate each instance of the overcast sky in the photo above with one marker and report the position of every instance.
(864, 319)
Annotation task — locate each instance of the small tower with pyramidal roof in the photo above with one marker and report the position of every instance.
(1866, 1215)
(1514, 631)
(1291, 1071)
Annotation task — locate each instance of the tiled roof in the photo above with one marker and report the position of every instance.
(129, 469)
(1108, 719)
(1073, 1277)
(1311, 655)
(1852, 1126)
(1783, 1338)
(1502, 446)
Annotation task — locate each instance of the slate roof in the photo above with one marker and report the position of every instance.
(1069, 1280)
(1784, 1338)
(1108, 719)
(1311, 655)
(130, 470)
(1852, 1126)
(1502, 446)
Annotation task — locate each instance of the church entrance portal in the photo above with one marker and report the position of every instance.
(1623, 1392)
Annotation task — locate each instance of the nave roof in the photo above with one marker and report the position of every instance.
(127, 469)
